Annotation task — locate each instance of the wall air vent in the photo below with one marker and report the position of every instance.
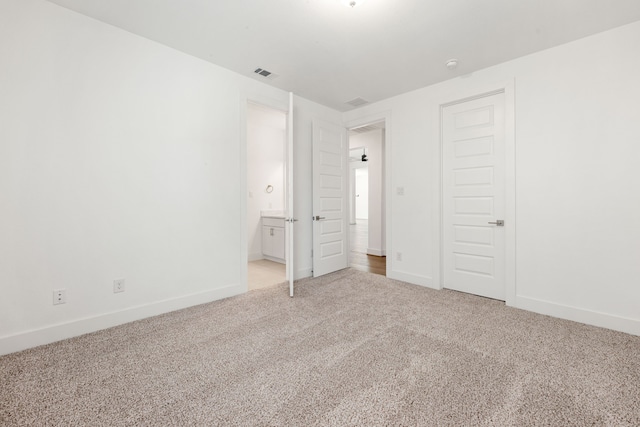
(357, 102)
(264, 73)
(365, 129)
(368, 128)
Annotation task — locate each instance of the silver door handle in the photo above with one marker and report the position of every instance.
(499, 223)
(318, 218)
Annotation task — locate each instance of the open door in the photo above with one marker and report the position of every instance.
(290, 219)
(330, 198)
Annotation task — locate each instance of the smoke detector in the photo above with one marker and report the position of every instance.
(353, 3)
(452, 64)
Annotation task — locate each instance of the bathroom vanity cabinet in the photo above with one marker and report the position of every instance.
(273, 239)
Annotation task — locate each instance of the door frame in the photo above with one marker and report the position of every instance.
(275, 104)
(508, 88)
(363, 121)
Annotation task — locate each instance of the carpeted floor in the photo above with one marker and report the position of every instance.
(352, 348)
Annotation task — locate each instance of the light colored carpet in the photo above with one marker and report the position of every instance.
(352, 348)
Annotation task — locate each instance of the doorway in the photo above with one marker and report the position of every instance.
(367, 245)
(266, 196)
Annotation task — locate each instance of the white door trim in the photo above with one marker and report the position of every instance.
(508, 88)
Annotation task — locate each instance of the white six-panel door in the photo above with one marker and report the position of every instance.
(473, 150)
(330, 212)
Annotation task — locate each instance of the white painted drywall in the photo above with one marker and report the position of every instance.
(577, 177)
(121, 158)
(352, 192)
(266, 131)
(362, 193)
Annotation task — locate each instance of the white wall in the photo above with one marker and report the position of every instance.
(577, 181)
(362, 193)
(352, 192)
(266, 135)
(120, 158)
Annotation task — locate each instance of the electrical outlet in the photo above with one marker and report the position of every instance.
(59, 296)
(118, 286)
(398, 256)
(400, 191)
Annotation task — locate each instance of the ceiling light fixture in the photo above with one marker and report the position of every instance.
(353, 3)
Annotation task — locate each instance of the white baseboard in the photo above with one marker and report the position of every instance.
(594, 318)
(74, 328)
(375, 252)
(425, 281)
(256, 256)
(304, 273)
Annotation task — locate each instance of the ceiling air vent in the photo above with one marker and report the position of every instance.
(357, 102)
(264, 73)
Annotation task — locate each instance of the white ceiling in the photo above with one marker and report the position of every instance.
(327, 52)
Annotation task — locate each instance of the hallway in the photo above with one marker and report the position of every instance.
(358, 257)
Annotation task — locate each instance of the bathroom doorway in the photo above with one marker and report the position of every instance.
(266, 196)
(367, 198)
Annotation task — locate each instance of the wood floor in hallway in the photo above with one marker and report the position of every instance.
(358, 257)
